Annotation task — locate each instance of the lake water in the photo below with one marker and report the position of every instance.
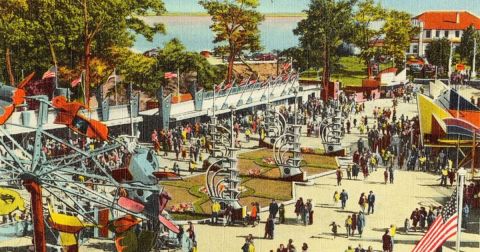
(195, 33)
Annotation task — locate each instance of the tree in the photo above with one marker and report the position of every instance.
(438, 52)
(11, 26)
(328, 24)
(71, 33)
(367, 37)
(100, 17)
(465, 49)
(174, 56)
(235, 24)
(398, 31)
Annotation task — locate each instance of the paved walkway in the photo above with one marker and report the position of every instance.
(394, 203)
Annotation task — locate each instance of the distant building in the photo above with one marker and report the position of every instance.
(441, 24)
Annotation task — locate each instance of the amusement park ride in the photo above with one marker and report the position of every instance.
(331, 129)
(79, 179)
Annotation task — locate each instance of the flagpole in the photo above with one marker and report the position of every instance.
(213, 106)
(115, 85)
(178, 82)
(461, 179)
(56, 77)
(450, 63)
(473, 73)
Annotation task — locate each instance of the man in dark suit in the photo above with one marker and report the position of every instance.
(371, 202)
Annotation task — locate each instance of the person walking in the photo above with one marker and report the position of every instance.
(415, 217)
(215, 210)
(387, 241)
(309, 208)
(393, 231)
(246, 245)
(335, 227)
(360, 223)
(299, 205)
(385, 176)
(443, 179)
(343, 198)
(273, 209)
(371, 202)
(391, 171)
(349, 172)
(362, 201)
(269, 227)
(253, 214)
(354, 223)
(339, 173)
(348, 225)
(336, 198)
(281, 214)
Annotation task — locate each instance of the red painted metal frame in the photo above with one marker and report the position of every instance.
(37, 215)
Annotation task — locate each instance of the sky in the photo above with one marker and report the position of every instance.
(288, 6)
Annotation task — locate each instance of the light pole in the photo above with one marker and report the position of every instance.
(295, 107)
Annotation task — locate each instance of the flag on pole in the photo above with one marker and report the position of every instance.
(286, 66)
(170, 75)
(51, 73)
(77, 81)
(443, 228)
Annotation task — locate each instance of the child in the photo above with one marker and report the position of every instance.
(336, 198)
(334, 229)
(406, 225)
(385, 176)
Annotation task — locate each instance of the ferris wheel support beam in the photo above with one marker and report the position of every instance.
(39, 239)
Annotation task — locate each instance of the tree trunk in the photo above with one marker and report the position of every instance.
(231, 59)
(87, 72)
(326, 70)
(87, 45)
(9, 67)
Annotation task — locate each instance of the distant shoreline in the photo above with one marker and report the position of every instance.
(204, 14)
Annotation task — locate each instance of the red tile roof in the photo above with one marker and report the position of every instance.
(447, 20)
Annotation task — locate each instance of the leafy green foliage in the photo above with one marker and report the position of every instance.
(366, 37)
(328, 24)
(399, 31)
(438, 52)
(235, 24)
(174, 56)
(465, 49)
(56, 31)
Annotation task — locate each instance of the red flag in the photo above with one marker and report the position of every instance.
(76, 81)
(170, 75)
(51, 73)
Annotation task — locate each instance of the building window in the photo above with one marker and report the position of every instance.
(457, 34)
(428, 34)
(437, 34)
(415, 49)
(445, 34)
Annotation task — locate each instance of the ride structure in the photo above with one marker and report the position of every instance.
(78, 178)
(331, 130)
(222, 175)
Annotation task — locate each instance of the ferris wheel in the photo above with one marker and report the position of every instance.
(78, 178)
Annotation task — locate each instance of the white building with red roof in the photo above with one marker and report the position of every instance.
(441, 24)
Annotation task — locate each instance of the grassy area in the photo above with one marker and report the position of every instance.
(351, 71)
(262, 188)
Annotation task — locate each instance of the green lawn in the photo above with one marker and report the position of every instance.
(351, 71)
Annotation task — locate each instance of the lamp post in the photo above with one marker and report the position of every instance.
(461, 180)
